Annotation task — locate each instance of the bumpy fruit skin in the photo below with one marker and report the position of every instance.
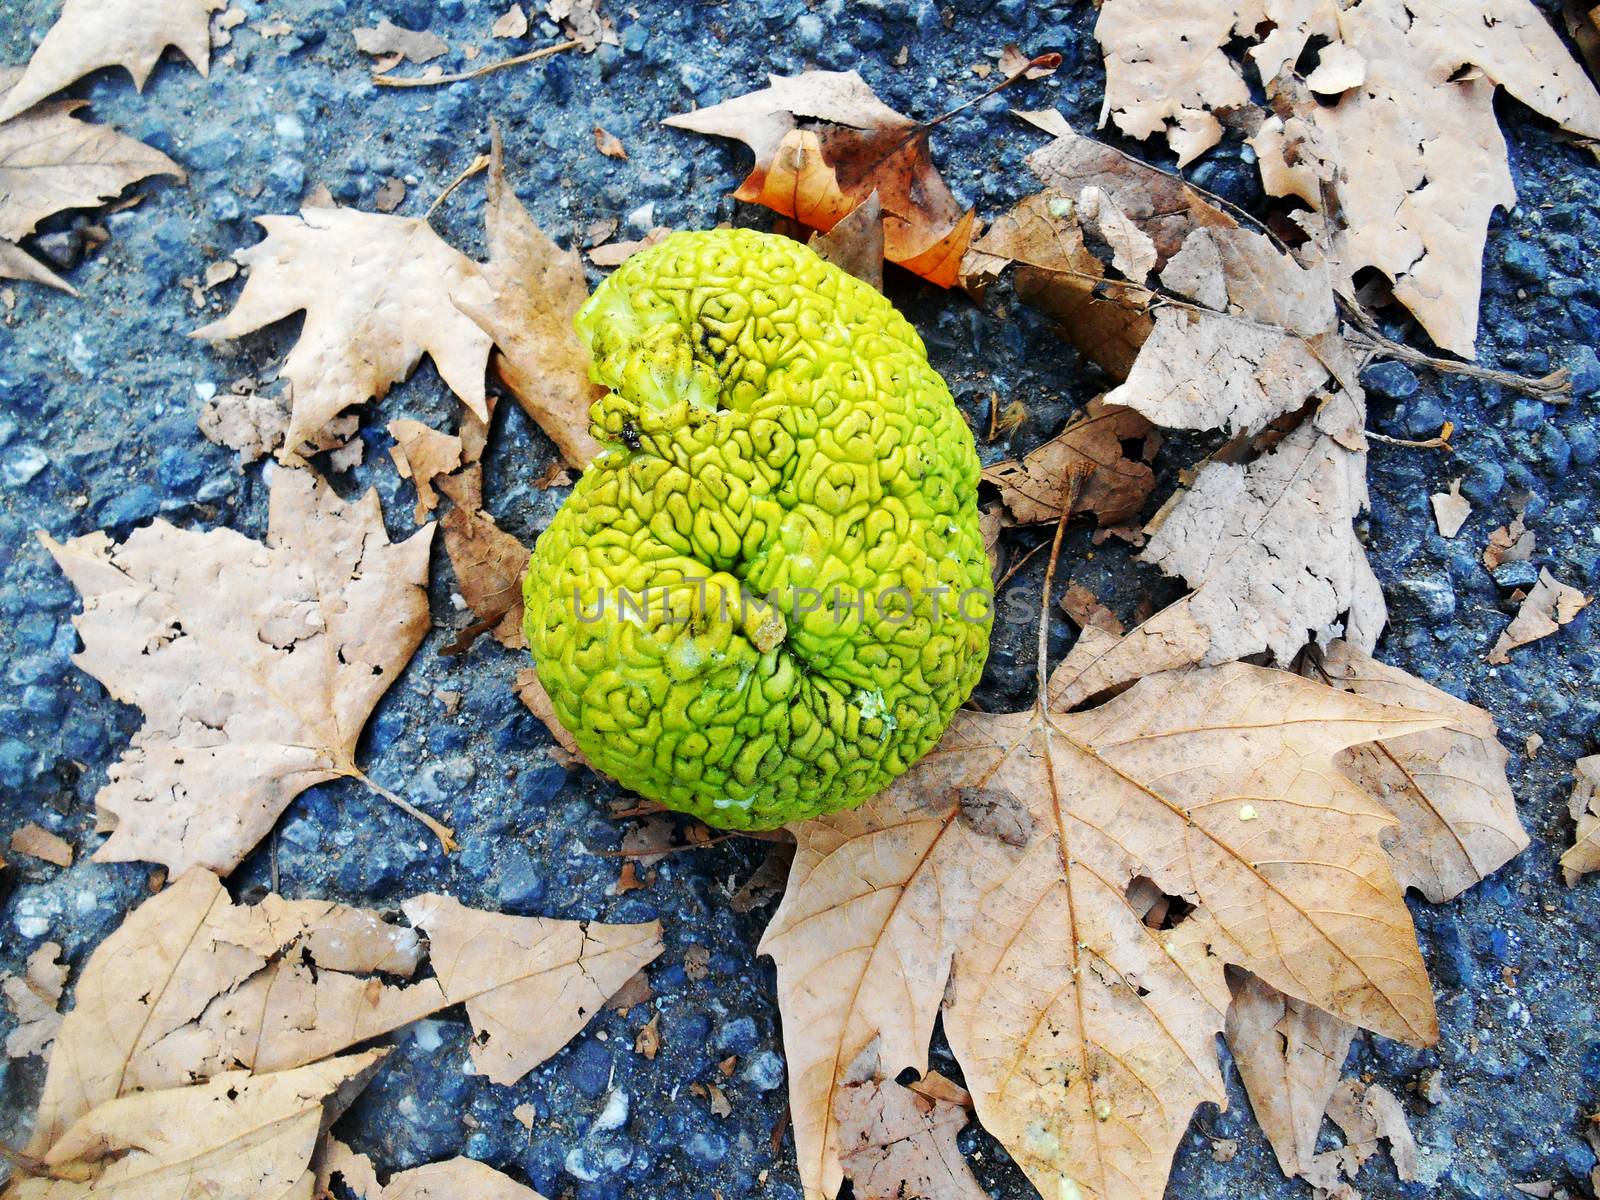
(773, 425)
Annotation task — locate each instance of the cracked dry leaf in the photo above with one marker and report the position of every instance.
(377, 295)
(1289, 1056)
(1363, 1114)
(279, 984)
(534, 289)
(1273, 560)
(236, 1135)
(897, 1143)
(421, 452)
(823, 142)
(32, 998)
(51, 161)
(453, 1179)
(1035, 489)
(855, 244)
(256, 665)
(1546, 608)
(1086, 1036)
(1584, 856)
(91, 34)
(529, 983)
(583, 20)
(1393, 121)
(385, 38)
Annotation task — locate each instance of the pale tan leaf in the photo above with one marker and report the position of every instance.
(420, 46)
(1289, 1056)
(1446, 786)
(534, 289)
(91, 34)
(1133, 253)
(36, 841)
(32, 998)
(897, 1144)
(614, 254)
(855, 244)
(1545, 609)
(17, 263)
(1584, 856)
(489, 564)
(420, 453)
(1510, 543)
(236, 1135)
(1001, 864)
(823, 142)
(1423, 112)
(256, 665)
(529, 983)
(608, 144)
(51, 161)
(1036, 489)
(583, 20)
(1271, 553)
(513, 23)
(377, 293)
(1450, 509)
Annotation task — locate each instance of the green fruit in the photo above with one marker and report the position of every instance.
(768, 595)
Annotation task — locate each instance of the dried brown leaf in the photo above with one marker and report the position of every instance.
(32, 998)
(1549, 606)
(897, 1144)
(377, 292)
(51, 161)
(583, 20)
(648, 1043)
(537, 701)
(91, 34)
(256, 665)
(855, 244)
(614, 254)
(534, 290)
(17, 263)
(1036, 489)
(1510, 543)
(609, 144)
(420, 453)
(1086, 1036)
(529, 983)
(1289, 1056)
(35, 841)
(1584, 856)
(513, 23)
(452, 1179)
(420, 46)
(235, 1135)
(1450, 509)
(823, 142)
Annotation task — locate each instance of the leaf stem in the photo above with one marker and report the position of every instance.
(476, 167)
(444, 833)
(408, 81)
(1077, 476)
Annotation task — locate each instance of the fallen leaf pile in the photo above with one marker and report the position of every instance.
(256, 665)
(1388, 133)
(201, 1045)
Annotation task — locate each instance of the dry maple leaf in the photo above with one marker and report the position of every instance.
(823, 142)
(1036, 489)
(236, 1135)
(1002, 865)
(900, 1144)
(91, 34)
(534, 290)
(1584, 856)
(191, 985)
(50, 161)
(1546, 608)
(1273, 560)
(1393, 120)
(453, 1179)
(32, 998)
(377, 293)
(256, 665)
(529, 983)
